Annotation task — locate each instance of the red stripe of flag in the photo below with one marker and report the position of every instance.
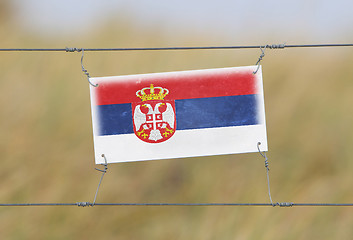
(182, 85)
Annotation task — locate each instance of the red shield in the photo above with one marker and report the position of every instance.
(154, 120)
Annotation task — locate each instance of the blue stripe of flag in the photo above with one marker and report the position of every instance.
(190, 114)
(115, 119)
(216, 112)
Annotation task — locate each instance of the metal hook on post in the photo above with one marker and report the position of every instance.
(85, 71)
(103, 172)
(260, 59)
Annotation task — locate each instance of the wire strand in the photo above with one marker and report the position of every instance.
(88, 204)
(272, 46)
(104, 171)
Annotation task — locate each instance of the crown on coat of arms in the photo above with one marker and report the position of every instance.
(152, 93)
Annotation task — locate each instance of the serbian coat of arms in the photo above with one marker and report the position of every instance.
(154, 117)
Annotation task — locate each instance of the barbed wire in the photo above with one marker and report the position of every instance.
(89, 204)
(269, 46)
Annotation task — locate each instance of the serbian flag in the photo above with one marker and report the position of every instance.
(178, 114)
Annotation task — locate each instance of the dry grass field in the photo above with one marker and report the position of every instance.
(47, 148)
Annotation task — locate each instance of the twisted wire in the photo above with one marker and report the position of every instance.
(263, 154)
(88, 204)
(103, 173)
(269, 46)
(82, 67)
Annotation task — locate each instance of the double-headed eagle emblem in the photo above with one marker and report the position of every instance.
(154, 117)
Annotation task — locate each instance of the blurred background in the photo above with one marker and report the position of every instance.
(46, 136)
